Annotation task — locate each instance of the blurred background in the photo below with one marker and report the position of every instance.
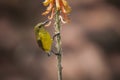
(91, 41)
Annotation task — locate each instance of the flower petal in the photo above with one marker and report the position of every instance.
(47, 2)
(49, 8)
(52, 14)
(58, 4)
(64, 2)
(66, 6)
(68, 9)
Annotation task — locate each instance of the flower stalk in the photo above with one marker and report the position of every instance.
(58, 44)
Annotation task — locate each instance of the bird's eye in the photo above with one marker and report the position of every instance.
(39, 26)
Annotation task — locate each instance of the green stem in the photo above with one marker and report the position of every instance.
(58, 44)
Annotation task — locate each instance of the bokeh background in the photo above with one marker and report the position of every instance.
(91, 41)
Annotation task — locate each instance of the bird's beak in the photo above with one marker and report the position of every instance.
(45, 22)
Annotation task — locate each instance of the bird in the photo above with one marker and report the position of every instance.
(43, 37)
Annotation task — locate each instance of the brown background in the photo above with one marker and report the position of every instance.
(90, 42)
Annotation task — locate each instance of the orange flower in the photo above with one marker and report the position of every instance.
(60, 5)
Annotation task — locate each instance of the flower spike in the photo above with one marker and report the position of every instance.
(61, 5)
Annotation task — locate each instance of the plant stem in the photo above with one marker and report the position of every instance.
(58, 44)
